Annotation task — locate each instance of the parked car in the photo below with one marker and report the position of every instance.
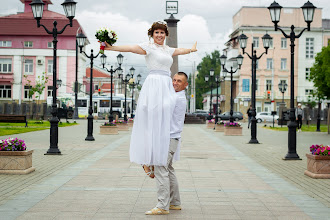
(265, 116)
(226, 116)
(203, 113)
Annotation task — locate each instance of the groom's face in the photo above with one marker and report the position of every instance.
(179, 82)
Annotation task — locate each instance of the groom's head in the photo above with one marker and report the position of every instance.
(180, 81)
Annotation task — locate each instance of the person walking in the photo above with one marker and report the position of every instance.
(299, 116)
(166, 181)
(249, 113)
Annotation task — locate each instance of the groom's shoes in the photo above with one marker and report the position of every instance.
(157, 211)
(175, 207)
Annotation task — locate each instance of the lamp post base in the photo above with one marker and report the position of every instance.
(89, 138)
(110, 118)
(90, 129)
(254, 141)
(53, 151)
(75, 114)
(292, 156)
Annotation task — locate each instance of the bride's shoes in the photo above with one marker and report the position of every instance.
(149, 170)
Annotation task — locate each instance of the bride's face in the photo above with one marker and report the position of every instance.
(159, 36)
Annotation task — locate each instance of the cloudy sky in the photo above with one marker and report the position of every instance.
(208, 22)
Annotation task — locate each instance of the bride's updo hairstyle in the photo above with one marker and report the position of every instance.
(158, 25)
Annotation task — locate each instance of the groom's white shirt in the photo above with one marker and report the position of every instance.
(177, 120)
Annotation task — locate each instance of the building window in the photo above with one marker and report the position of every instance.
(308, 91)
(28, 66)
(5, 65)
(283, 43)
(309, 47)
(257, 83)
(257, 64)
(268, 85)
(5, 43)
(283, 64)
(5, 91)
(308, 73)
(50, 67)
(256, 42)
(49, 91)
(28, 44)
(96, 87)
(246, 85)
(27, 91)
(269, 63)
(50, 45)
(271, 44)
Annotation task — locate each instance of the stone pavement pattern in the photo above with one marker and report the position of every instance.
(95, 180)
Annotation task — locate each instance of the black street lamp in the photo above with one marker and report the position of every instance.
(243, 42)
(138, 77)
(308, 10)
(207, 78)
(239, 61)
(125, 82)
(112, 71)
(75, 113)
(70, 10)
(81, 38)
(282, 86)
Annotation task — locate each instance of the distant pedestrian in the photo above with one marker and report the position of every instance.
(249, 113)
(299, 116)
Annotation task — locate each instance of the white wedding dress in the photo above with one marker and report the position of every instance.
(151, 130)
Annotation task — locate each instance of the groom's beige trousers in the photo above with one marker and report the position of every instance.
(167, 183)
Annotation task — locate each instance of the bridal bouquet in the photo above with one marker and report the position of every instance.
(105, 35)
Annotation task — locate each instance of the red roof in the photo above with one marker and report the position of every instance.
(106, 86)
(96, 73)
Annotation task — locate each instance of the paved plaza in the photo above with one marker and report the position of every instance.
(220, 177)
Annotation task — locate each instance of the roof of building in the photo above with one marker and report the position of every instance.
(97, 73)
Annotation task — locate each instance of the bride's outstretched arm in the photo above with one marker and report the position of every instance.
(127, 48)
(183, 51)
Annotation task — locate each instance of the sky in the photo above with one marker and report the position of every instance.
(209, 22)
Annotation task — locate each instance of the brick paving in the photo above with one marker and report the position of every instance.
(220, 177)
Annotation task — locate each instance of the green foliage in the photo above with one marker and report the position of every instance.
(208, 62)
(39, 86)
(320, 73)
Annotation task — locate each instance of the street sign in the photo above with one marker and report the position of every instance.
(192, 95)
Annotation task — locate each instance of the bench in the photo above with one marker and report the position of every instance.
(14, 119)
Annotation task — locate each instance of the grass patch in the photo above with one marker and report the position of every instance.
(18, 128)
(304, 128)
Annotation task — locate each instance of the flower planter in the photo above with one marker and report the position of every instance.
(233, 131)
(123, 127)
(108, 129)
(210, 125)
(16, 162)
(219, 128)
(318, 167)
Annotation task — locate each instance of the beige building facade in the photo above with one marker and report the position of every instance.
(274, 67)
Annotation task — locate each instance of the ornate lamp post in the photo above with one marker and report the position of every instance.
(308, 10)
(207, 78)
(138, 77)
(282, 86)
(81, 38)
(70, 10)
(112, 71)
(125, 82)
(243, 42)
(239, 61)
(217, 81)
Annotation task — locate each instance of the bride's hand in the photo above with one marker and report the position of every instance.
(107, 46)
(193, 49)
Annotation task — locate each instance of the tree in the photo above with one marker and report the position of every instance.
(208, 62)
(39, 86)
(320, 73)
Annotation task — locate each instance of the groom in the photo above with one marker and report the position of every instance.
(167, 183)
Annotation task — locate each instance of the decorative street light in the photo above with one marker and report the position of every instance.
(138, 77)
(239, 61)
(70, 10)
(207, 78)
(308, 10)
(243, 42)
(282, 86)
(81, 39)
(125, 82)
(112, 71)
(218, 81)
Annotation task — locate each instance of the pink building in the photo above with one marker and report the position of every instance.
(274, 67)
(26, 50)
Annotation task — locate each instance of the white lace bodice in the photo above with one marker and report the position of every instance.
(158, 57)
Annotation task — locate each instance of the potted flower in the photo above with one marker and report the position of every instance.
(122, 125)
(232, 128)
(14, 158)
(210, 123)
(220, 126)
(318, 162)
(109, 128)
